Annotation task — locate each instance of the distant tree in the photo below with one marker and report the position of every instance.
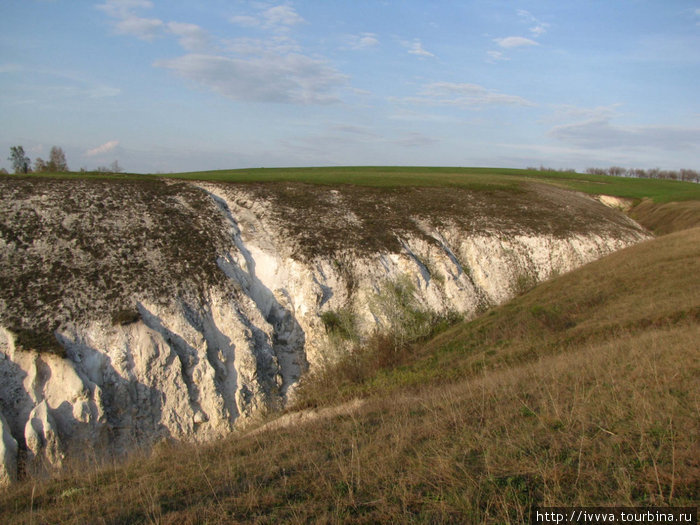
(595, 171)
(690, 175)
(20, 162)
(57, 160)
(39, 165)
(616, 171)
(115, 167)
(3, 171)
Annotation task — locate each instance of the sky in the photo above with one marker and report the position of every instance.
(168, 86)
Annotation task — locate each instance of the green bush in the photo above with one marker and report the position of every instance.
(341, 323)
(398, 306)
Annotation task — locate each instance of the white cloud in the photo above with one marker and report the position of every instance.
(363, 41)
(466, 96)
(282, 15)
(191, 36)
(600, 133)
(279, 18)
(416, 48)
(515, 41)
(291, 78)
(127, 23)
(143, 28)
(278, 44)
(495, 56)
(539, 28)
(271, 69)
(245, 20)
(122, 8)
(59, 84)
(565, 113)
(101, 150)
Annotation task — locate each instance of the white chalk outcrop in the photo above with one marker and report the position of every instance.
(194, 362)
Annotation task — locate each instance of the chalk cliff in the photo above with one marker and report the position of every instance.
(133, 311)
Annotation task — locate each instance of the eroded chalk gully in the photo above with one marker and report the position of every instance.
(196, 367)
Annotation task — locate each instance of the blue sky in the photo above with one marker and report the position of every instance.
(184, 85)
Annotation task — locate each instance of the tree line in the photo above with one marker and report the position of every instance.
(654, 173)
(684, 175)
(22, 164)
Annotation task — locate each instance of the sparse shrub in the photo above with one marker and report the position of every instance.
(341, 323)
(398, 306)
(38, 341)
(125, 316)
(552, 317)
(523, 283)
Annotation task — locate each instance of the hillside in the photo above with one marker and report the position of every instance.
(138, 310)
(582, 391)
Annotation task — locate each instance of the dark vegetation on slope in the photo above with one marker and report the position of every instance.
(72, 249)
(325, 220)
(582, 391)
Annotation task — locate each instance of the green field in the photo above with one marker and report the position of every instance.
(659, 191)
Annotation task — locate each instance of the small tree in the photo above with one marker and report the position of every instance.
(39, 165)
(20, 162)
(115, 167)
(57, 160)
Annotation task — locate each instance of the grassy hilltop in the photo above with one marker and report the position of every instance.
(660, 205)
(583, 390)
(400, 176)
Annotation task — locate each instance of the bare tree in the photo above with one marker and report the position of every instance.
(115, 167)
(39, 165)
(57, 160)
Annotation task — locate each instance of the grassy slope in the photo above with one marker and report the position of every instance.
(584, 390)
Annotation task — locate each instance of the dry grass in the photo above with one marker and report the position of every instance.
(587, 393)
(667, 217)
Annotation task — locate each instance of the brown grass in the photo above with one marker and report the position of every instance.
(667, 217)
(587, 393)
